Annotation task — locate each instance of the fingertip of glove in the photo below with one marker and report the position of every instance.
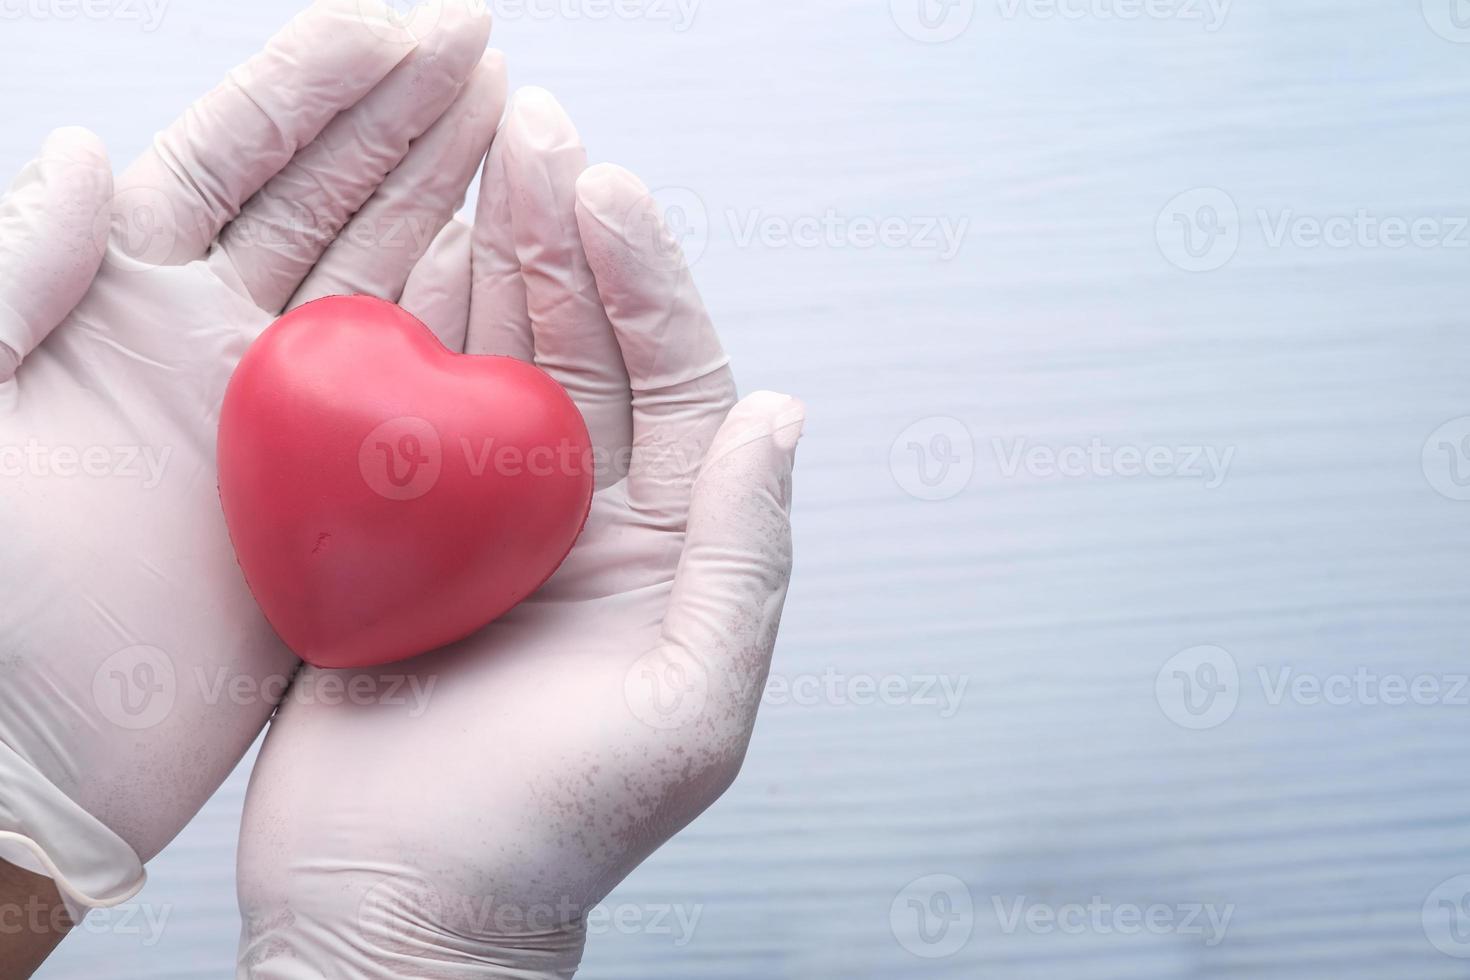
(379, 22)
(765, 417)
(480, 105)
(74, 162)
(76, 176)
(458, 28)
(75, 143)
(495, 58)
(784, 416)
(492, 67)
(606, 189)
(537, 121)
(535, 99)
(476, 15)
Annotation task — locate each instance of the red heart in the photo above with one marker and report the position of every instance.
(386, 496)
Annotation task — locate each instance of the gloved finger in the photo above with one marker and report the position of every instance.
(573, 339)
(285, 228)
(731, 583)
(53, 234)
(173, 201)
(438, 288)
(679, 374)
(380, 246)
(499, 321)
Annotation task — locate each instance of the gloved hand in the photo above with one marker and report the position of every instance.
(465, 826)
(136, 668)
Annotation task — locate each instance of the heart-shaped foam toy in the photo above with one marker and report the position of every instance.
(386, 496)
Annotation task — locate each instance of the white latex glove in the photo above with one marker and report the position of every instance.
(136, 669)
(465, 826)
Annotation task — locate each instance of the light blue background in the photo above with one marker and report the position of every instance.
(1059, 143)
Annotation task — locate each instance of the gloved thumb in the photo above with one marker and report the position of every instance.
(53, 234)
(732, 577)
